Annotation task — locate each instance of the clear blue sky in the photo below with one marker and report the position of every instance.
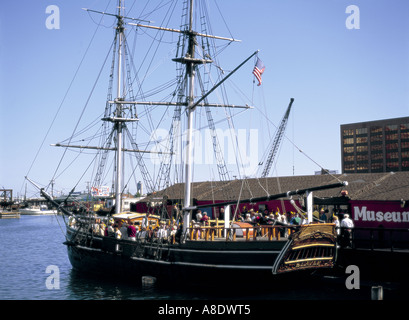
(336, 75)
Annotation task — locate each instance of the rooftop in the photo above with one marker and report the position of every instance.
(385, 186)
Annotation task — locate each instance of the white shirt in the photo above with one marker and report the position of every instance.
(337, 225)
(145, 222)
(162, 233)
(347, 223)
(124, 231)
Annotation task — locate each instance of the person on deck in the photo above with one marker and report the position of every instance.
(131, 231)
(142, 234)
(124, 230)
(204, 219)
(346, 231)
(102, 229)
(199, 215)
(175, 212)
(162, 232)
(118, 234)
(296, 220)
(323, 215)
(337, 225)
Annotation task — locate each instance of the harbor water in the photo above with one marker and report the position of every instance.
(34, 266)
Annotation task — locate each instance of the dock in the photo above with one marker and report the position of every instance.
(7, 207)
(9, 214)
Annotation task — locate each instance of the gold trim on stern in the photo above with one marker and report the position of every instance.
(309, 259)
(313, 245)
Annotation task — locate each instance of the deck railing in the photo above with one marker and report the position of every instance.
(267, 232)
(378, 238)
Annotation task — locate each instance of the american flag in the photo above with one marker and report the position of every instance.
(258, 70)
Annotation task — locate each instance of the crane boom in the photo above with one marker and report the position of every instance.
(277, 140)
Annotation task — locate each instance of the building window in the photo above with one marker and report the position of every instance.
(376, 148)
(361, 131)
(404, 131)
(351, 149)
(376, 130)
(391, 136)
(392, 165)
(377, 156)
(404, 145)
(377, 138)
(392, 146)
(349, 167)
(405, 155)
(361, 157)
(392, 155)
(377, 166)
(362, 140)
(348, 132)
(362, 149)
(362, 167)
(348, 141)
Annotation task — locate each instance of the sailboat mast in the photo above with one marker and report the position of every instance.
(118, 124)
(190, 69)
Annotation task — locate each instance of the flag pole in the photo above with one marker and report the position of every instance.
(224, 79)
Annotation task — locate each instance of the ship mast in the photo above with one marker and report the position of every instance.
(191, 62)
(118, 114)
(191, 75)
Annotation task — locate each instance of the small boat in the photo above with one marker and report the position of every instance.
(37, 210)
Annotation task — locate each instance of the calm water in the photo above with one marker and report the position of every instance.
(32, 243)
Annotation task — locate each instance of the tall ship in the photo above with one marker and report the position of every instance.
(172, 241)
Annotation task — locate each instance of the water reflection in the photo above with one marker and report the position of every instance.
(93, 287)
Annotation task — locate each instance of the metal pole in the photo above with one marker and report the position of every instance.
(377, 293)
(118, 181)
(309, 206)
(189, 141)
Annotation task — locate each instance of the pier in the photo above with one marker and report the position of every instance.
(7, 207)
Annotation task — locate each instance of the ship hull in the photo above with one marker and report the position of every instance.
(195, 261)
(199, 263)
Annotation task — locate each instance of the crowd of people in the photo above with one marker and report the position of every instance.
(132, 231)
(292, 218)
(267, 217)
(165, 231)
(343, 227)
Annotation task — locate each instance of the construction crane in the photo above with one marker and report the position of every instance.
(277, 140)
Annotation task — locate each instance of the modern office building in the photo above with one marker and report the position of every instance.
(375, 146)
